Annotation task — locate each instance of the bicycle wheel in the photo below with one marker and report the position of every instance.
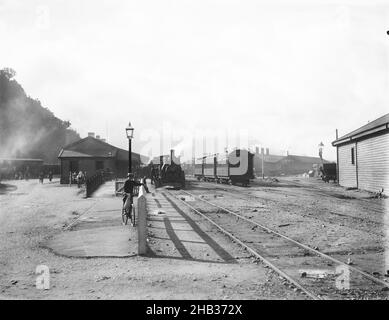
(132, 216)
(124, 216)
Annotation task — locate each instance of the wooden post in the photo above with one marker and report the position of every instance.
(142, 222)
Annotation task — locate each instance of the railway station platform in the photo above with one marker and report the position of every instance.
(98, 231)
(171, 232)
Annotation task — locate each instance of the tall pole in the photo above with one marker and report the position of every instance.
(129, 157)
(337, 158)
(263, 169)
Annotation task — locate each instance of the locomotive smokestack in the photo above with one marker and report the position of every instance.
(172, 159)
(160, 161)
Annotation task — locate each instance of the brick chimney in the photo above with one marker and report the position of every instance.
(98, 137)
(267, 151)
(91, 134)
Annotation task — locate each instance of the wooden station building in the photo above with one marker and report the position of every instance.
(363, 157)
(92, 154)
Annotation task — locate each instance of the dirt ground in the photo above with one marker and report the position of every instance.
(348, 224)
(31, 214)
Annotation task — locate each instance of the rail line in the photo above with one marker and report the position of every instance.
(253, 251)
(232, 191)
(273, 232)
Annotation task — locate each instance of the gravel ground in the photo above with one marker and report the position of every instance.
(31, 213)
(350, 225)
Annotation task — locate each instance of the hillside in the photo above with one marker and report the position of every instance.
(27, 129)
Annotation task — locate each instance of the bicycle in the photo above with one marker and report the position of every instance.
(128, 211)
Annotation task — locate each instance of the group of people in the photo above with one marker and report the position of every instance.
(16, 173)
(42, 176)
(78, 178)
(21, 175)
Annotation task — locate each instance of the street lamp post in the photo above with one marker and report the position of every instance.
(130, 135)
(321, 145)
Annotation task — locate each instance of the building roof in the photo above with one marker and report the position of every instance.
(377, 125)
(20, 159)
(74, 154)
(305, 159)
(271, 158)
(90, 147)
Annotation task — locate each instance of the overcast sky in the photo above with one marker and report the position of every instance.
(288, 72)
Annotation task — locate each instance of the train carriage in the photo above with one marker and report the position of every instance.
(198, 168)
(328, 172)
(241, 166)
(222, 169)
(209, 168)
(236, 167)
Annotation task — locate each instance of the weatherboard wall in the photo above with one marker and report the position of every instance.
(373, 163)
(347, 170)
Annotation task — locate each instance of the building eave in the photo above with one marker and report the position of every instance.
(361, 135)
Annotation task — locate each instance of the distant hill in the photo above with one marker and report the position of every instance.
(27, 129)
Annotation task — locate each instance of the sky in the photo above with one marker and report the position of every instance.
(283, 75)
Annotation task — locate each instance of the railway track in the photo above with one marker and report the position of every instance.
(237, 193)
(316, 274)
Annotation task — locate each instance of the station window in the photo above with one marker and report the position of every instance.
(352, 156)
(99, 165)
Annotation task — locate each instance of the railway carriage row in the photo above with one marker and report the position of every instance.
(236, 167)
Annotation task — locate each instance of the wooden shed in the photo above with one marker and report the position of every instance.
(363, 157)
(91, 155)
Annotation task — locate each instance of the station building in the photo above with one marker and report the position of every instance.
(363, 157)
(92, 154)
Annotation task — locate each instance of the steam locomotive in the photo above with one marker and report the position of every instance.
(235, 167)
(166, 171)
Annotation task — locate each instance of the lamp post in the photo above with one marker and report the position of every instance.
(130, 135)
(321, 145)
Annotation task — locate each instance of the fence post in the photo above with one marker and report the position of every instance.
(142, 223)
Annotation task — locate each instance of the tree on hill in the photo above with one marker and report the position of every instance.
(27, 129)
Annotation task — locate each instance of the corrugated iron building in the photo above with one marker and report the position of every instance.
(363, 157)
